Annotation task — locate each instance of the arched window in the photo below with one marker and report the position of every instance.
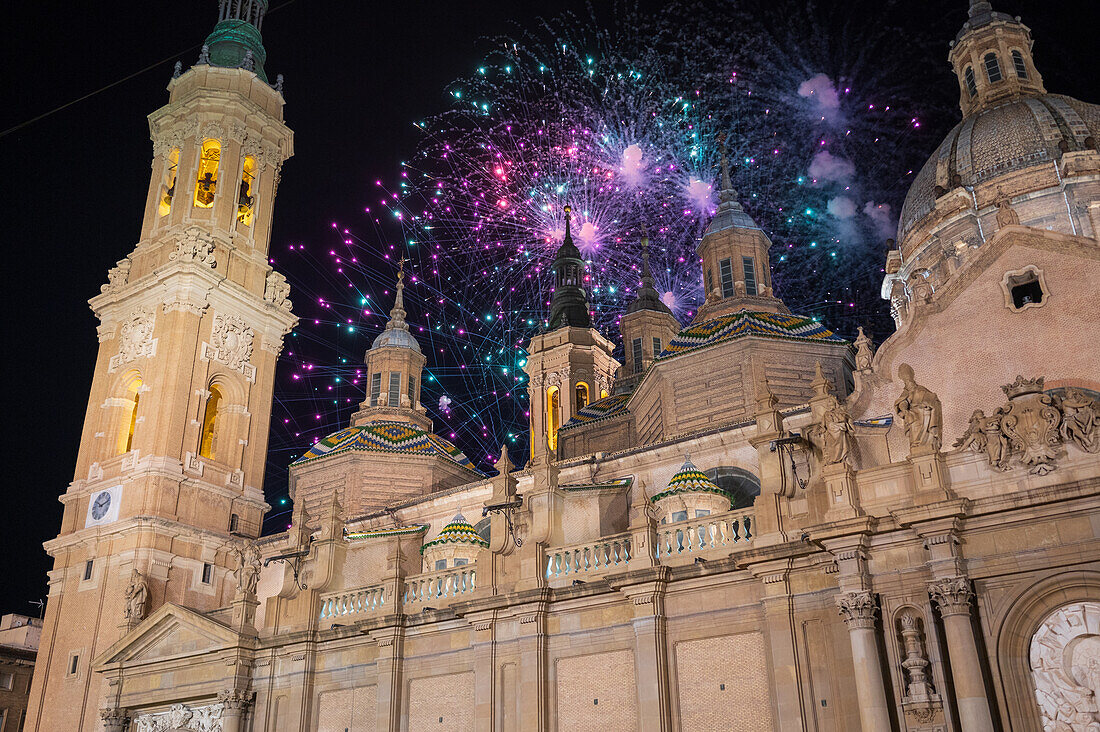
(168, 187)
(604, 394)
(206, 180)
(210, 423)
(553, 416)
(992, 68)
(971, 83)
(738, 482)
(1018, 63)
(129, 415)
(246, 197)
(581, 391)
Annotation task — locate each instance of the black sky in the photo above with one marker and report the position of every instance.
(72, 185)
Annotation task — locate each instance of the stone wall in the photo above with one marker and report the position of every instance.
(723, 683)
(596, 692)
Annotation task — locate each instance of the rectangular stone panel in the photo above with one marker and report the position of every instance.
(723, 684)
(347, 710)
(442, 703)
(597, 692)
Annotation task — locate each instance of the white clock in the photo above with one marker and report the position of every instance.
(103, 506)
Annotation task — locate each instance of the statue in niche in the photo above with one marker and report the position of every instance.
(920, 410)
(137, 595)
(1081, 420)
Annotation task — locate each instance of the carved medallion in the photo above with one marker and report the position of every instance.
(135, 339)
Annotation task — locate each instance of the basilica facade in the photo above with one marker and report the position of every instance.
(751, 523)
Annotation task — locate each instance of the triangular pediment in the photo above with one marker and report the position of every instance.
(170, 632)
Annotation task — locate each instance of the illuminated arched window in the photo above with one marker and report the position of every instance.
(971, 82)
(206, 180)
(129, 415)
(168, 187)
(246, 197)
(210, 423)
(581, 391)
(604, 394)
(553, 416)
(992, 67)
(1018, 63)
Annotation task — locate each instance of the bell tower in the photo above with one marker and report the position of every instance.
(569, 364)
(170, 467)
(647, 327)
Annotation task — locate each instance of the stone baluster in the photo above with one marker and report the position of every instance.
(953, 596)
(858, 610)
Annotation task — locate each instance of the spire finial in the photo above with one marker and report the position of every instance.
(727, 194)
(397, 315)
(568, 234)
(645, 255)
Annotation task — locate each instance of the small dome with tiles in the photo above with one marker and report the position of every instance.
(397, 437)
(690, 480)
(458, 531)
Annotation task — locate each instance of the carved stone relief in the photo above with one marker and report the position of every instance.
(1032, 427)
(1065, 668)
(196, 246)
(117, 276)
(277, 290)
(135, 339)
(231, 344)
(182, 717)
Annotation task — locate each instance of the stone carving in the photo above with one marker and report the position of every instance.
(231, 343)
(916, 661)
(182, 717)
(864, 351)
(117, 276)
(838, 434)
(952, 595)
(984, 435)
(1031, 428)
(137, 595)
(115, 719)
(248, 568)
(1006, 215)
(920, 411)
(899, 302)
(857, 609)
(196, 246)
(1080, 420)
(235, 700)
(135, 339)
(277, 290)
(1065, 668)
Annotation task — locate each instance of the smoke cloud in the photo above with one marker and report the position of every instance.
(827, 167)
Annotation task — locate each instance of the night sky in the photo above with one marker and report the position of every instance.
(357, 76)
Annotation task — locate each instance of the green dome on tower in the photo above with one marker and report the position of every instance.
(235, 41)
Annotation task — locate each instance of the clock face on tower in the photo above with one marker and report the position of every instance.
(103, 506)
(100, 505)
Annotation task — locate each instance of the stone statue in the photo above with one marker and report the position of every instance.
(974, 437)
(1006, 216)
(838, 435)
(1081, 420)
(864, 354)
(920, 410)
(137, 595)
(248, 568)
(996, 442)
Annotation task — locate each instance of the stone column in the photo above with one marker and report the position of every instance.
(235, 704)
(858, 610)
(651, 672)
(390, 675)
(115, 720)
(953, 595)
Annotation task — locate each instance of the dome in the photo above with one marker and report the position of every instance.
(690, 480)
(388, 437)
(396, 338)
(1027, 132)
(459, 531)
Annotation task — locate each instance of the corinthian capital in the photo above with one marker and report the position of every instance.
(858, 609)
(952, 594)
(235, 699)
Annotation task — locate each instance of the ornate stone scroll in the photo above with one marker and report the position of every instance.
(135, 339)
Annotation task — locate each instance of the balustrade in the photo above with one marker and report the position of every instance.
(352, 602)
(443, 584)
(702, 535)
(591, 557)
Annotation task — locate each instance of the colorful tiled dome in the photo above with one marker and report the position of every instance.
(690, 480)
(388, 437)
(600, 409)
(459, 531)
(748, 323)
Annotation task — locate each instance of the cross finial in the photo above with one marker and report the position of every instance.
(727, 191)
